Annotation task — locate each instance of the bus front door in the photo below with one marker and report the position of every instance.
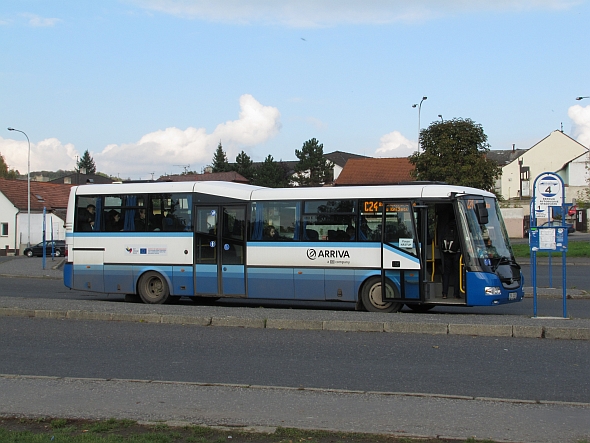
(220, 250)
(400, 273)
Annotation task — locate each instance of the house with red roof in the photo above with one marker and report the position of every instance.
(14, 215)
(375, 171)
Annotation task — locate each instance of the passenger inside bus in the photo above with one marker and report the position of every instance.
(86, 218)
(270, 233)
(114, 221)
(141, 221)
(350, 233)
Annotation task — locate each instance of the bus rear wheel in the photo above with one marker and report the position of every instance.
(153, 288)
(372, 297)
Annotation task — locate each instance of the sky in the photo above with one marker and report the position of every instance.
(151, 87)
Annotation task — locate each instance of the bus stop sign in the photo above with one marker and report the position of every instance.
(548, 191)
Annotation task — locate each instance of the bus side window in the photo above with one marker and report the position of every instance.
(86, 215)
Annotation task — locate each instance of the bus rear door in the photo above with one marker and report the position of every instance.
(220, 232)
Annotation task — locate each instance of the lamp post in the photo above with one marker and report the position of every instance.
(581, 98)
(419, 109)
(28, 186)
(441, 119)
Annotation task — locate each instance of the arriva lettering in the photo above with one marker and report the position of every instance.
(333, 254)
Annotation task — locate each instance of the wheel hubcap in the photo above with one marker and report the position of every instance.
(376, 296)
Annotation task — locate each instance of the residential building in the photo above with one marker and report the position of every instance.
(14, 216)
(557, 153)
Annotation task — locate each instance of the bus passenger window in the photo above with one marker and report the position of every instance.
(282, 216)
(87, 218)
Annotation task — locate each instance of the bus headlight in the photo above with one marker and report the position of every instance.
(492, 290)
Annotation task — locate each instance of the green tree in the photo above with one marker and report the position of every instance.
(10, 174)
(313, 169)
(87, 162)
(583, 197)
(271, 174)
(243, 165)
(220, 163)
(454, 151)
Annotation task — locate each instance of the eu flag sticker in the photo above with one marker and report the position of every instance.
(143, 250)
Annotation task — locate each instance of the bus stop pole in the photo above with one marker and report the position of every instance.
(534, 281)
(563, 278)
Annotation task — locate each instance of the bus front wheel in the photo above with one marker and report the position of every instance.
(153, 288)
(372, 297)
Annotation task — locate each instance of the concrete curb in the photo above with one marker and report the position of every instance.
(435, 328)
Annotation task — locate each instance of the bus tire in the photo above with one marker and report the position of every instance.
(420, 308)
(153, 288)
(372, 299)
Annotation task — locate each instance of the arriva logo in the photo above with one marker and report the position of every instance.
(312, 254)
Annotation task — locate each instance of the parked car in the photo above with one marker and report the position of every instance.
(572, 210)
(554, 223)
(37, 250)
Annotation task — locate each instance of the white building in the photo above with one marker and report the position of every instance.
(556, 153)
(14, 214)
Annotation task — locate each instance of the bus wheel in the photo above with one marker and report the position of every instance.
(373, 300)
(420, 308)
(153, 289)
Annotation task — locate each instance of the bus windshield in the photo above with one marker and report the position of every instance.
(487, 240)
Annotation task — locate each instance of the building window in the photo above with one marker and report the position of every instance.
(4, 229)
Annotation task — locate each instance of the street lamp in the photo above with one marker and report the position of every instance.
(580, 98)
(441, 119)
(28, 186)
(419, 109)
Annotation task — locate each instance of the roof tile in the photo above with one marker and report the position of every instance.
(375, 171)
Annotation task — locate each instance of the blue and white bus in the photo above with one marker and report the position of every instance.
(378, 246)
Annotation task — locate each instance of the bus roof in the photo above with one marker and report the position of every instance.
(249, 192)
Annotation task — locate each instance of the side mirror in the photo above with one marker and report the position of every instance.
(482, 213)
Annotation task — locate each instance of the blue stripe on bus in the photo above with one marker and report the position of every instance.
(151, 234)
(402, 253)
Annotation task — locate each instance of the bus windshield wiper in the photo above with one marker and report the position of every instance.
(503, 261)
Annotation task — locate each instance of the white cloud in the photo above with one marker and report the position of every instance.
(581, 117)
(49, 154)
(41, 22)
(395, 144)
(158, 151)
(310, 13)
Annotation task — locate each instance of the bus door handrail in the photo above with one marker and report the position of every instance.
(432, 259)
(461, 266)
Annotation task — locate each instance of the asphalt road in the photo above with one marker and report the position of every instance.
(527, 369)
(54, 289)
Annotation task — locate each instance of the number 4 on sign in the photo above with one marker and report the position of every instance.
(548, 190)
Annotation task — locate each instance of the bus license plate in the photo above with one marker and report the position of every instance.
(512, 296)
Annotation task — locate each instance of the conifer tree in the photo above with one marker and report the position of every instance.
(220, 163)
(87, 162)
(243, 165)
(271, 174)
(313, 168)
